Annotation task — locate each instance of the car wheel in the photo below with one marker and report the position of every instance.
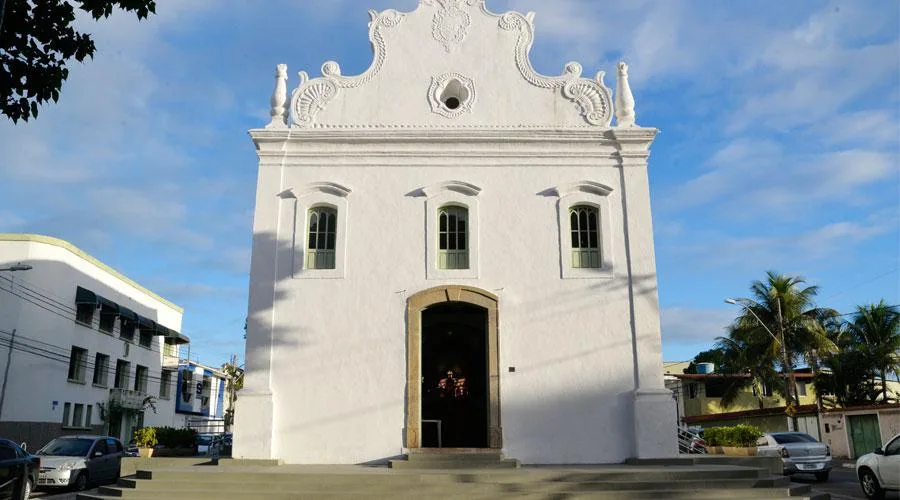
(822, 476)
(29, 486)
(870, 485)
(81, 482)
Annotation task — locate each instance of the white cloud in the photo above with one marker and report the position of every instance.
(687, 325)
(799, 249)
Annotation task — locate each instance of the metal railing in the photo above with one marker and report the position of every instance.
(690, 443)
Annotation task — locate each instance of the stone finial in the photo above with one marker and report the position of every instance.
(279, 98)
(624, 98)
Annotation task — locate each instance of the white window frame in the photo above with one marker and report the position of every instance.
(460, 194)
(319, 194)
(595, 195)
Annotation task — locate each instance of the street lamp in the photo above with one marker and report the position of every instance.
(12, 337)
(784, 357)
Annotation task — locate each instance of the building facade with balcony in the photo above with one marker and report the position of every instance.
(83, 348)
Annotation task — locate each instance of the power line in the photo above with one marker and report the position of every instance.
(854, 287)
(67, 312)
(62, 357)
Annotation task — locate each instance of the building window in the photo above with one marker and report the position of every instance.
(67, 410)
(716, 388)
(583, 213)
(77, 364)
(126, 330)
(316, 220)
(122, 375)
(107, 321)
(453, 236)
(692, 390)
(322, 236)
(101, 369)
(146, 339)
(451, 230)
(801, 388)
(84, 314)
(87, 415)
(140, 378)
(165, 381)
(77, 415)
(170, 350)
(583, 224)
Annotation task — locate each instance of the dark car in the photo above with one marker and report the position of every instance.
(18, 471)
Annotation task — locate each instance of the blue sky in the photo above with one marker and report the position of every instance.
(780, 143)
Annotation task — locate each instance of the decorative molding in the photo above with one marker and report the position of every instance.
(311, 96)
(279, 98)
(450, 24)
(590, 187)
(332, 188)
(592, 96)
(624, 99)
(442, 84)
(455, 186)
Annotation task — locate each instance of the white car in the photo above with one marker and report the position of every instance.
(880, 470)
(799, 452)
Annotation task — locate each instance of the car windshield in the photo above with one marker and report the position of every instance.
(204, 439)
(67, 447)
(793, 438)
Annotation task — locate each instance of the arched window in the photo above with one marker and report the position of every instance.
(453, 237)
(320, 247)
(584, 224)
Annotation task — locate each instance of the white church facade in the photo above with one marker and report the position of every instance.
(452, 250)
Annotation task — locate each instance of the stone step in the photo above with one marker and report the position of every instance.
(464, 457)
(127, 487)
(451, 463)
(464, 494)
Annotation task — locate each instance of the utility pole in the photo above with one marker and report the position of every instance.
(12, 339)
(790, 383)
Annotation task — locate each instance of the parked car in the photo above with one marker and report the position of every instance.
(880, 470)
(18, 471)
(79, 461)
(799, 452)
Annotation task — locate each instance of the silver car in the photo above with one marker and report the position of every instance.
(800, 453)
(79, 461)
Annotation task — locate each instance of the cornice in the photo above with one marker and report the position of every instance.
(394, 134)
(49, 240)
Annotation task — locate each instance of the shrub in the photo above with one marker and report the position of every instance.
(745, 435)
(739, 435)
(145, 437)
(168, 437)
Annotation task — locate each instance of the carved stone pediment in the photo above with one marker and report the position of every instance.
(442, 43)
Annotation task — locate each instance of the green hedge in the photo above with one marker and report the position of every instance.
(168, 437)
(739, 435)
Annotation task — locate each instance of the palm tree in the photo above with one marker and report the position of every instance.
(751, 366)
(783, 305)
(876, 327)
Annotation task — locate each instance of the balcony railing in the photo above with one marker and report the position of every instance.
(170, 361)
(128, 399)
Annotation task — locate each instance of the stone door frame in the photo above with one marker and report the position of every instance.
(415, 305)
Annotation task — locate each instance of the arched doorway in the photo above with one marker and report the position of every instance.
(453, 329)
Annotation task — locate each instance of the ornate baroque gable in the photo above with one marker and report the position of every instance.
(450, 64)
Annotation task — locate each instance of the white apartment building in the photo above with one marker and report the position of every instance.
(83, 349)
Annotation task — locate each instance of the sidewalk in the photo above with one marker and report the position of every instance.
(843, 463)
